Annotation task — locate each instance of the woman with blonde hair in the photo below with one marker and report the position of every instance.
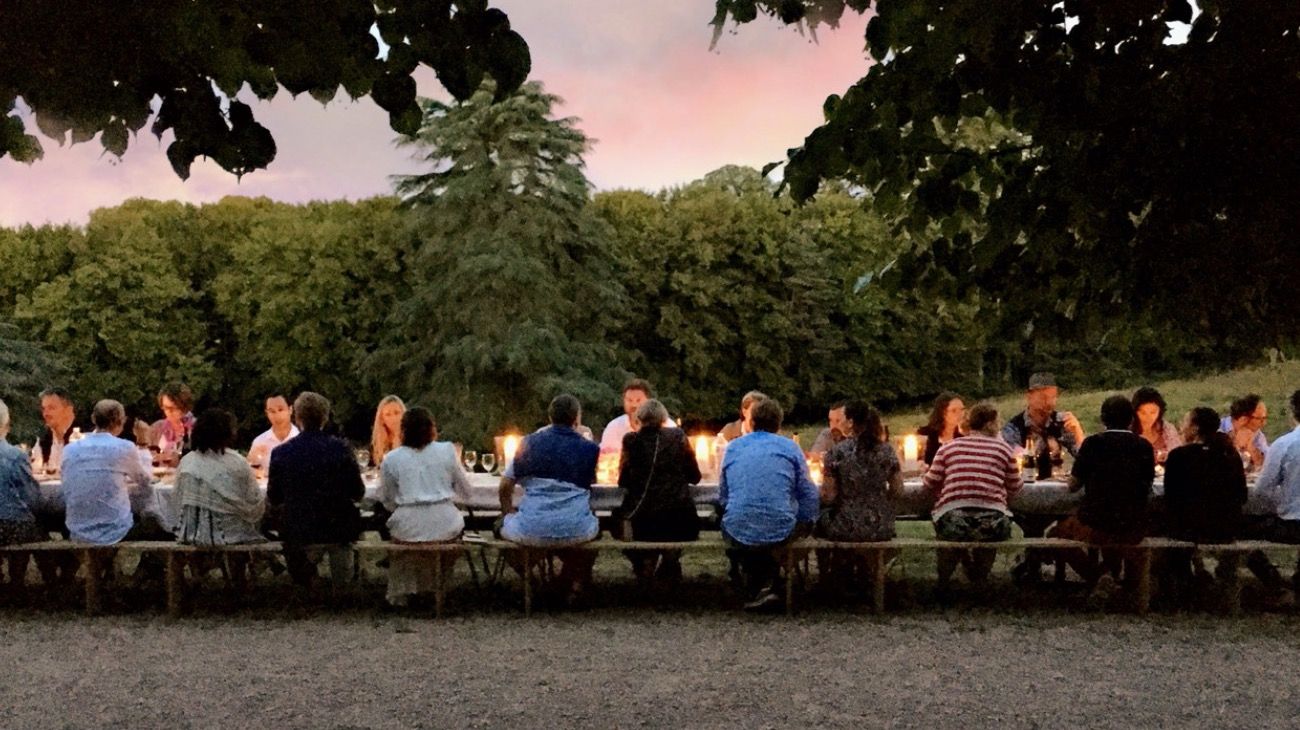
(387, 432)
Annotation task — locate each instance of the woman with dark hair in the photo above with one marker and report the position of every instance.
(944, 425)
(860, 477)
(1149, 423)
(656, 474)
(217, 498)
(419, 480)
(170, 435)
(1205, 488)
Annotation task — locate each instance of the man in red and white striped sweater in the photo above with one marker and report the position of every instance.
(974, 478)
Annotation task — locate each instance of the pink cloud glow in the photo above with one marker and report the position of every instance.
(663, 109)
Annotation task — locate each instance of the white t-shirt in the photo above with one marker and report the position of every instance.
(268, 440)
(611, 440)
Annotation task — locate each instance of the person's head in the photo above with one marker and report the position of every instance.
(766, 415)
(651, 414)
(108, 416)
(4, 420)
(948, 413)
(418, 428)
(983, 418)
(1201, 425)
(836, 418)
(1042, 393)
(56, 409)
(635, 392)
(747, 405)
(311, 411)
(388, 416)
(565, 410)
(278, 411)
(1148, 409)
(175, 399)
(863, 421)
(214, 431)
(1117, 412)
(1248, 413)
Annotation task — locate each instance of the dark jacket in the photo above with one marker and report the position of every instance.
(315, 481)
(1205, 488)
(656, 472)
(1115, 469)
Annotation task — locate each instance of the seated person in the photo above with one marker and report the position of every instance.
(315, 482)
(944, 424)
(739, 427)
(767, 498)
(19, 494)
(635, 392)
(386, 434)
(1040, 419)
(656, 474)
(1244, 425)
(1149, 423)
(217, 498)
(861, 478)
(170, 435)
(107, 495)
(973, 479)
(1205, 488)
(419, 480)
(1279, 484)
(60, 418)
(555, 466)
(1115, 469)
(834, 433)
(280, 415)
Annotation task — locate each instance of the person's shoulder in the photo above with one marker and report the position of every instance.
(264, 437)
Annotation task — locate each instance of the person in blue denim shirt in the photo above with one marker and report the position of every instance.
(18, 495)
(767, 498)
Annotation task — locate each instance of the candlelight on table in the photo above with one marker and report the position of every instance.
(910, 451)
(703, 453)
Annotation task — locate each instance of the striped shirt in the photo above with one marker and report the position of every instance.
(977, 471)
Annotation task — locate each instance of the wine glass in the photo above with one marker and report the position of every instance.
(489, 462)
(363, 457)
(469, 458)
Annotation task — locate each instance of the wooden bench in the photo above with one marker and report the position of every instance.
(429, 548)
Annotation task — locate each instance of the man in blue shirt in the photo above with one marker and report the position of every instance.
(104, 483)
(767, 498)
(1279, 484)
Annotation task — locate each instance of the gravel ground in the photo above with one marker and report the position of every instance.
(644, 668)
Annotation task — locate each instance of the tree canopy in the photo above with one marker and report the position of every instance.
(100, 67)
(1144, 155)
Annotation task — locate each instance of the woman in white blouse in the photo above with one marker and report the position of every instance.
(419, 481)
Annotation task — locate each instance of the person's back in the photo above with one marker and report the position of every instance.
(315, 478)
(657, 470)
(1115, 469)
(555, 466)
(765, 489)
(100, 473)
(862, 509)
(18, 489)
(1205, 488)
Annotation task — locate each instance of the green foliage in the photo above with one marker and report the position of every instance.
(510, 292)
(97, 67)
(24, 366)
(1119, 172)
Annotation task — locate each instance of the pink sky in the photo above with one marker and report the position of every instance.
(663, 109)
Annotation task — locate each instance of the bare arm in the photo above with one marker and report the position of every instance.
(506, 495)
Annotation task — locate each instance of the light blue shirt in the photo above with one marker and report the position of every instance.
(424, 476)
(18, 490)
(103, 480)
(1279, 479)
(764, 489)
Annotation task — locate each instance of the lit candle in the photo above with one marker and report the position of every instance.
(910, 452)
(509, 445)
(703, 453)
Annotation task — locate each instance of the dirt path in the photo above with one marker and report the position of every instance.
(644, 669)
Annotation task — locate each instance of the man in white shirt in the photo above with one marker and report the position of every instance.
(635, 392)
(280, 414)
(59, 415)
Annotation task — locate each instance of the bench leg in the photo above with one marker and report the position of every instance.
(528, 581)
(439, 585)
(94, 601)
(878, 580)
(789, 582)
(1142, 556)
(175, 584)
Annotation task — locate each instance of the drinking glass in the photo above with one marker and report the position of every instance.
(489, 462)
(469, 458)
